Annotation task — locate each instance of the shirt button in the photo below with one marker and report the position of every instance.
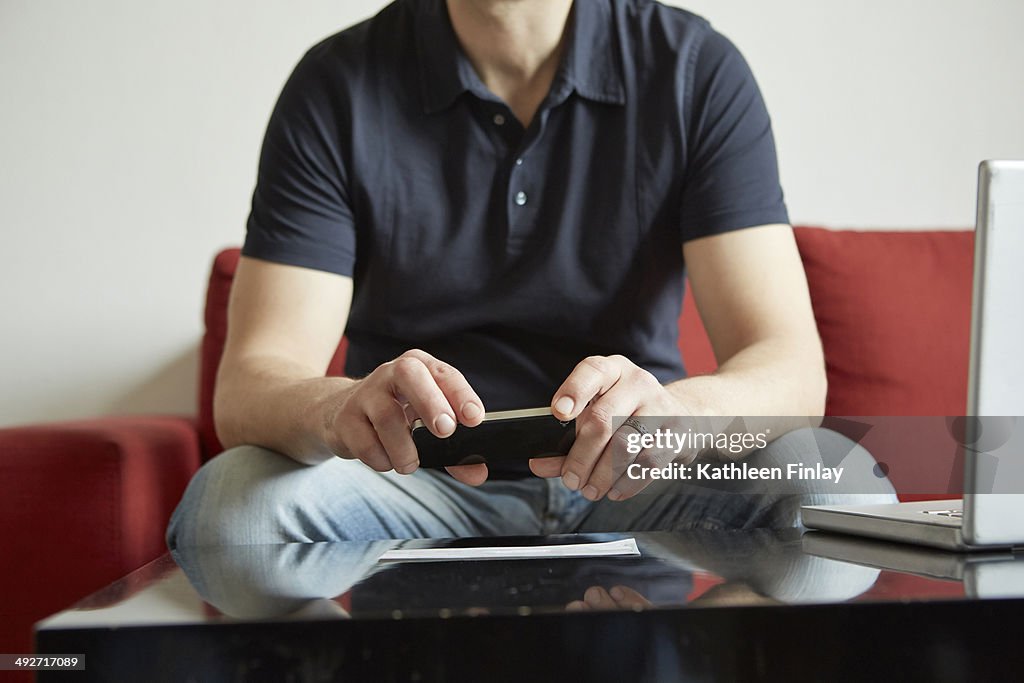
(520, 198)
(499, 120)
(519, 162)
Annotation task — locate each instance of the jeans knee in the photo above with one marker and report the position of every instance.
(854, 477)
(218, 491)
(251, 495)
(821, 462)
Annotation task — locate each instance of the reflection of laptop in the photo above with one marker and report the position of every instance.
(998, 574)
(992, 510)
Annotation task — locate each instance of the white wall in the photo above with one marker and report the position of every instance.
(883, 108)
(129, 133)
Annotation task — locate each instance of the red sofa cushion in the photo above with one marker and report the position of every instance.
(893, 310)
(698, 356)
(88, 503)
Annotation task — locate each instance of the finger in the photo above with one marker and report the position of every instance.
(577, 606)
(362, 443)
(610, 466)
(473, 475)
(410, 413)
(626, 486)
(389, 421)
(410, 379)
(598, 598)
(594, 431)
(592, 377)
(547, 467)
(464, 401)
(626, 597)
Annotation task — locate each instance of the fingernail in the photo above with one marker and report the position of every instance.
(571, 481)
(617, 593)
(470, 410)
(564, 405)
(614, 494)
(590, 492)
(444, 424)
(407, 469)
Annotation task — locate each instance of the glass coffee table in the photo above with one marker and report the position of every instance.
(691, 605)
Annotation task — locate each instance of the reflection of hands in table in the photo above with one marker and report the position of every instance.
(616, 598)
(732, 594)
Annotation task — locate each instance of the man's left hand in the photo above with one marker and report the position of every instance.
(599, 389)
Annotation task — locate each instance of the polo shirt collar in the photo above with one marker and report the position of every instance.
(591, 64)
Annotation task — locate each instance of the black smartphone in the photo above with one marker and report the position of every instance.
(505, 436)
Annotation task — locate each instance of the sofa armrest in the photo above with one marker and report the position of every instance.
(81, 504)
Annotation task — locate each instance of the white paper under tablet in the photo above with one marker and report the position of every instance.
(624, 547)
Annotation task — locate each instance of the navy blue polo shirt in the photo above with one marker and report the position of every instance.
(514, 253)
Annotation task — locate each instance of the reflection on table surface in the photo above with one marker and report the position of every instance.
(689, 570)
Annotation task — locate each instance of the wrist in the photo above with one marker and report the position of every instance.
(692, 396)
(322, 419)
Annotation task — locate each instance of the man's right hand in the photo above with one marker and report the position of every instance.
(371, 421)
(284, 325)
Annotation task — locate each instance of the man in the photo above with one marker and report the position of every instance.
(498, 197)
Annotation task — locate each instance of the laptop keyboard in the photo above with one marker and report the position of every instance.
(955, 514)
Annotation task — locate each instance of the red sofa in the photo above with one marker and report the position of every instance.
(85, 502)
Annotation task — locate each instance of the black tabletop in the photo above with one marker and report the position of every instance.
(692, 605)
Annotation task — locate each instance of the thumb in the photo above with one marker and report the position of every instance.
(473, 475)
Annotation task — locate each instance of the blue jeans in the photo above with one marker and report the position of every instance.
(250, 495)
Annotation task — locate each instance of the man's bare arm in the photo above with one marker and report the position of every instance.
(752, 295)
(284, 324)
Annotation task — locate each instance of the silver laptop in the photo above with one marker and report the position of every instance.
(993, 574)
(991, 513)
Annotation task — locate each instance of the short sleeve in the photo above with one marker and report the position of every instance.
(301, 213)
(732, 176)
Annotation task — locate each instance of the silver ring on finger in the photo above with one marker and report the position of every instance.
(635, 424)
